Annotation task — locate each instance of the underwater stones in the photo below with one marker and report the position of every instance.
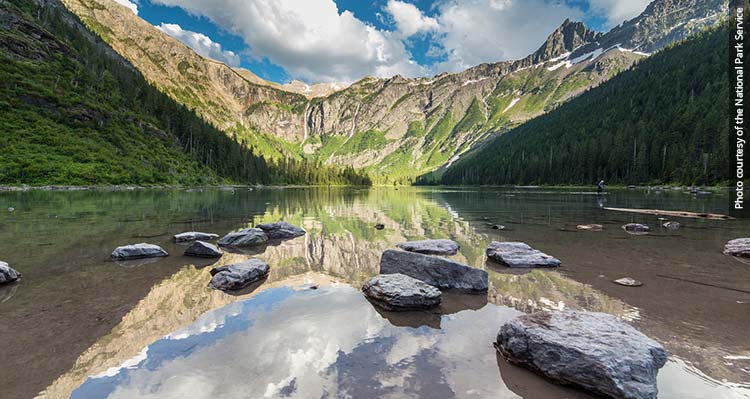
(594, 351)
(244, 238)
(431, 247)
(519, 254)
(238, 275)
(138, 251)
(435, 271)
(401, 292)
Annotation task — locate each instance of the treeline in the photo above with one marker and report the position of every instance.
(665, 120)
(74, 112)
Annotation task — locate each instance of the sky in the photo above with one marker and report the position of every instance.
(319, 41)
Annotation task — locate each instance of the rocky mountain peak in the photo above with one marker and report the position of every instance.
(566, 38)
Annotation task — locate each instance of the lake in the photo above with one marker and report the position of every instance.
(83, 326)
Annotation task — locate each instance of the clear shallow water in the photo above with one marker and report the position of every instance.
(79, 323)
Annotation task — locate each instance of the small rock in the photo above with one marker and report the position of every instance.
(498, 227)
(435, 271)
(244, 238)
(193, 236)
(400, 292)
(239, 275)
(138, 251)
(636, 228)
(431, 247)
(519, 254)
(672, 225)
(8, 274)
(590, 227)
(203, 249)
(628, 282)
(738, 247)
(594, 351)
(379, 226)
(11, 209)
(280, 230)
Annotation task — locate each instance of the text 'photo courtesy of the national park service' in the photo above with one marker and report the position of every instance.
(396, 199)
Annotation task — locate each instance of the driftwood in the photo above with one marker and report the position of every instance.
(679, 214)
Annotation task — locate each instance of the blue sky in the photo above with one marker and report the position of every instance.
(344, 40)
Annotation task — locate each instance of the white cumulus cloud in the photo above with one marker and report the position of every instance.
(617, 11)
(409, 19)
(201, 44)
(310, 39)
(129, 4)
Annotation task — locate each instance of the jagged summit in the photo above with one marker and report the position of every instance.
(566, 38)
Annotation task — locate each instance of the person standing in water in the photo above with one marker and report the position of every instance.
(600, 186)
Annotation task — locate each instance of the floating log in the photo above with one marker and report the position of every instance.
(679, 214)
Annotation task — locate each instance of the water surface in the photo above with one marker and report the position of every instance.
(79, 324)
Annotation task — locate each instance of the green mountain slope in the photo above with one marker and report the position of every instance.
(664, 120)
(395, 128)
(74, 112)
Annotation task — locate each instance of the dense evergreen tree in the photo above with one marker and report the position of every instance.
(74, 112)
(665, 120)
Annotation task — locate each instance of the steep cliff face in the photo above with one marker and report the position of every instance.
(395, 127)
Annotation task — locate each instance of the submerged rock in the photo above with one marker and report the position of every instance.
(203, 249)
(401, 292)
(239, 275)
(636, 228)
(595, 351)
(138, 251)
(519, 254)
(590, 227)
(244, 238)
(431, 247)
(672, 225)
(738, 247)
(193, 236)
(281, 230)
(498, 227)
(8, 274)
(435, 271)
(628, 282)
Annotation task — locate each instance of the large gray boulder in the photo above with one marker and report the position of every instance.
(519, 254)
(738, 247)
(239, 275)
(431, 247)
(594, 351)
(138, 251)
(437, 272)
(193, 236)
(8, 274)
(281, 230)
(244, 238)
(401, 292)
(202, 249)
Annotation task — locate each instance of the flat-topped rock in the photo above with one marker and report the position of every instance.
(431, 247)
(244, 238)
(239, 275)
(636, 228)
(594, 351)
(401, 292)
(738, 247)
(281, 230)
(8, 274)
(138, 251)
(435, 271)
(519, 254)
(202, 249)
(193, 236)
